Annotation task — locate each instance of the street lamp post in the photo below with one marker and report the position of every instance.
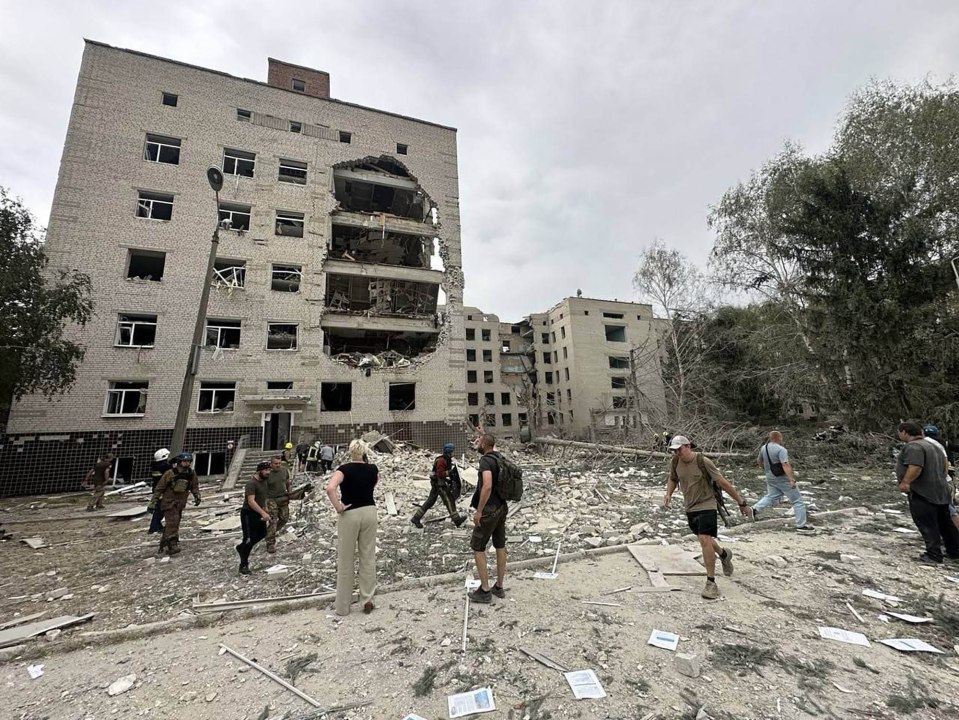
(215, 178)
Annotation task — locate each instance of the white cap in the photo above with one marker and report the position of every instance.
(678, 441)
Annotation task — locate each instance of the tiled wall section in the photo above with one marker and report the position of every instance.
(48, 463)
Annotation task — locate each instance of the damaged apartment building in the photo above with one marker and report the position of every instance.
(336, 301)
(584, 368)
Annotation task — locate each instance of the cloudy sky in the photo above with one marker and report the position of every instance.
(586, 129)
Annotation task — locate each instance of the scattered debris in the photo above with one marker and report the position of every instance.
(552, 574)
(34, 543)
(585, 685)
(35, 671)
(475, 701)
(121, 685)
(688, 664)
(911, 645)
(16, 635)
(846, 636)
(543, 659)
(665, 640)
(909, 618)
(274, 678)
(277, 572)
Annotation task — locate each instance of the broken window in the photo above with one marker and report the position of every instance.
(286, 278)
(162, 149)
(562, 332)
(545, 339)
(485, 335)
(515, 330)
(471, 376)
(549, 378)
(298, 85)
(392, 347)
(136, 331)
(488, 377)
(472, 398)
(550, 398)
(336, 397)
(146, 265)
(547, 358)
(379, 186)
(244, 115)
(556, 356)
(565, 353)
(470, 355)
(238, 162)
(402, 396)
(474, 420)
(504, 398)
(487, 356)
(505, 346)
(523, 419)
(619, 402)
(279, 386)
(375, 296)
(490, 420)
(470, 334)
(289, 224)
(618, 363)
(507, 420)
(550, 418)
(209, 463)
(296, 127)
(569, 394)
(489, 398)
(402, 149)
(126, 399)
(552, 336)
(566, 372)
(381, 246)
(155, 206)
(229, 273)
(216, 397)
(223, 333)
(613, 316)
(169, 99)
(617, 383)
(615, 333)
(235, 217)
(346, 137)
(281, 336)
(292, 171)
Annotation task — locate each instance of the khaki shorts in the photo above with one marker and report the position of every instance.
(492, 525)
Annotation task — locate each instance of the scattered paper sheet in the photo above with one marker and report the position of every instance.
(909, 618)
(541, 575)
(663, 639)
(911, 645)
(35, 671)
(475, 701)
(905, 531)
(535, 539)
(846, 636)
(881, 596)
(585, 684)
(470, 583)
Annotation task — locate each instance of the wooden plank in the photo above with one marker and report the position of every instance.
(274, 678)
(238, 604)
(21, 620)
(128, 512)
(230, 523)
(17, 635)
(656, 578)
(34, 543)
(542, 659)
(667, 559)
(663, 589)
(390, 504)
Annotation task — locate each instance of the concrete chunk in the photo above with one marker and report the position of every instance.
(688, 664)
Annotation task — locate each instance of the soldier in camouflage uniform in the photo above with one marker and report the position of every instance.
(171, 492)
(278, 485)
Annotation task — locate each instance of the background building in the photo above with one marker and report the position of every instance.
(340, 234)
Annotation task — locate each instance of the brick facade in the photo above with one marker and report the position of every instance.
(282, 74)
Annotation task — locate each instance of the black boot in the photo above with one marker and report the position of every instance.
(459, 520)
(417, 517)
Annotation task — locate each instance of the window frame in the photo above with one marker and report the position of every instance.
(133, 320)
(237, 157)
(296, 336)
(284, 269)
(163, 98)
(143, 252)
(293, 85)
(243, 115)
(289, 219)
(227, 211)
(121, 393)
(147, 200)
(292, 179)
(216, 324)
(220, 280)
(161, 142)
(205, 387)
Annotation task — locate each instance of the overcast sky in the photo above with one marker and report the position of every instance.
(586, 129)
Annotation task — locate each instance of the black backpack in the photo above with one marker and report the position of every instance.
(453, 481)
(509, 481)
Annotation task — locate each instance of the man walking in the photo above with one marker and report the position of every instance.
(161, 463)
(443, 483)
(489, 521)
(313, 457)
(696, 475)
(326, 458)
(780, 481)
(171, 492)
(99, 476)
(921, 471)
(279, 484)
(254, 519)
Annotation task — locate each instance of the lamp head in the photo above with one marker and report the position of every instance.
(215, 178)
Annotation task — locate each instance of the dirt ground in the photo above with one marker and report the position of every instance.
(759, 645)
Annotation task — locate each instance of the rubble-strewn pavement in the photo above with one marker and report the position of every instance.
(759, 646)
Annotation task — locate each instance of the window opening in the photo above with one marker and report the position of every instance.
(486, 335)
(617, 383)
(155, 206)
(488, 377)
(296, 127)
(223, 334)
(209, 463)
(471, 376)
(127, 398)
(470, 355)
(545, 338)
(169, 99)
(505, 347)
(279, 385)
(489, 398)
(487, 356)
(136, 331)
(162, 149)
(566, 372)
(615, 333)
(504, 398)
(402, 396)
(474, 421)
(565, 353)
(235, 217)
(618, 363)
(292, 171)
(613, 316)
(216, 397)
(619, 402)
(336, 397)
(547, 358)
(229, 273)
(146, 265)
(562, 333)
(298, 85)
(281, 336)
(472, 398)
(523, 418)
(289, 224)
(470, 334)
(244, 115)
(346, 137)
(286, 278)
(549, 378)
(507, 420)
(402, 149)
(238, 162)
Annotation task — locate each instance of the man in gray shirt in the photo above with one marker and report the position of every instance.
(921, 471)
(780, 481)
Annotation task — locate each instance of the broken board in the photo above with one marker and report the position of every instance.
(230, 523)
(17, 635)
(128, 512)
(390, 504)
(35, 543)
(666, 559)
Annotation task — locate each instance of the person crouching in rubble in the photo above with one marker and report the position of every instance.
(254, 519)
(444, 483)
(350, 490)
(171, 493)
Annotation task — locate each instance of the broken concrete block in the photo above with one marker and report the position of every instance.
(640, 529)
(57, 594)
(121, 685)
(277, 571)
(843, 557)
(594, 542)
(776, 561)
(688, 664)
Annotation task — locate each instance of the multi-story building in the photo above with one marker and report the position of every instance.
(338, 235)
(585, 367)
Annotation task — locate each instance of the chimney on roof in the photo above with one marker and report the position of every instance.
(314, 83)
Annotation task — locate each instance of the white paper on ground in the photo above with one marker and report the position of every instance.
(585, 684)
(35, 671)
(909, 618)
(541, 575)
(951, 579)
(846, 636)
(905, 531)
(414, 716)
(535, 539)
(475, 701)
(911, 645)
(663, 639)
(881, 596)
(470, 583)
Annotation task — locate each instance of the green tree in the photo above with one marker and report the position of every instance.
(35, 306)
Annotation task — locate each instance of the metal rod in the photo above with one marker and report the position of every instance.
(556, 559)
(272, 677)
(466, 619)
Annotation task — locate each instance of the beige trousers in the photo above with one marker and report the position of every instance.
(355, 535)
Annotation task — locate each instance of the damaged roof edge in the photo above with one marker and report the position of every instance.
(259, 82)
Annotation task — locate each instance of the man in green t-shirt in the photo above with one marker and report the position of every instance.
(278, 486)
(254, 519)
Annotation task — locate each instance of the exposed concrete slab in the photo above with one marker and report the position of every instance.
(388, 272)
(363, 322)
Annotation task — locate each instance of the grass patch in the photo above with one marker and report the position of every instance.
(640, 685)
(913, 698)
(297, 665)
(744, 657)
(426, 682)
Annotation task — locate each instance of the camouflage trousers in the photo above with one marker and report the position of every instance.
(96, 502)
(172, 512)
(279, 510)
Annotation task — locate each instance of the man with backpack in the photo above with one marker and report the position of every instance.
(780, 482)
(500, 480)
(444, 483)
(171, 494)
(697, 476)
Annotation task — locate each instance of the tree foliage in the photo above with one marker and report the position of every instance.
(35, 307)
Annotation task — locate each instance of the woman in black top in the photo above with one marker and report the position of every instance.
(356, 527)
